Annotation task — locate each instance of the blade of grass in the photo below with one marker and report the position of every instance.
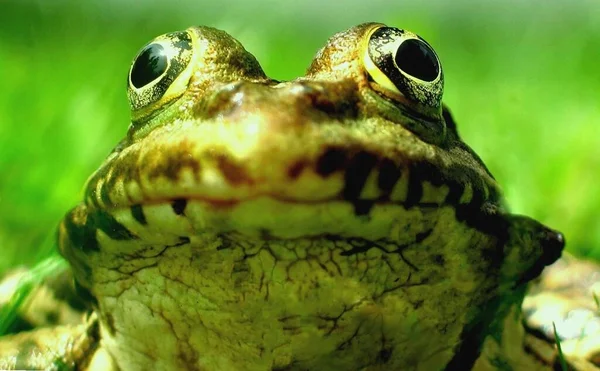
(561, 356)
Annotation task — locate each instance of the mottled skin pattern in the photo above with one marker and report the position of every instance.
(332, 222)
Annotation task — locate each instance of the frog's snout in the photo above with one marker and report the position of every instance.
(553, 243)
(281, 103)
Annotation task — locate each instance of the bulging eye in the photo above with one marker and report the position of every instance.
(149, 65)
(157, 74)
(418, 60)
(402, 63)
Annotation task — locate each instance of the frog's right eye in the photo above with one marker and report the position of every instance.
(149, 65)
(402, 63)
(159, 74)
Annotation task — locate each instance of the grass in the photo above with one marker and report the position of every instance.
(521, 79)
(561, 356)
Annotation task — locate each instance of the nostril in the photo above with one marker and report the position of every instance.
(222, 101)
(323, 104)
(331, 100)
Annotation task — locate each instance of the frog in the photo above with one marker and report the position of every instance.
(336, 221)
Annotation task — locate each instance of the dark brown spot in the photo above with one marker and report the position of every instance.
(233, 172)
(296, 169)
(418, 303)
(52, 317)
(423, 235)
(170, 162)
(137, 212)
(415, 188)
(331, 160)
(363, 207)
(107, 223)
(356, 174)
(85, 294)
(384, 355)
(109, 321)
(456, 190)
(438, 259)
(80, 231)
(104, 194)
(179, 205)
(389, 174)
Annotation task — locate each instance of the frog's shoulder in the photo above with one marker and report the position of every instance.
(562, 303)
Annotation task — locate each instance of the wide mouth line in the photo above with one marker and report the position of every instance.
(223, 203)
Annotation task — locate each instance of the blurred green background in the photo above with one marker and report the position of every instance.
(522, 79)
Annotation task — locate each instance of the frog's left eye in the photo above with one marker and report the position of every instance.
(402, 63)
(157, 75)
(149, 65)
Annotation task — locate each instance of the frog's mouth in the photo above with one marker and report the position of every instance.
(227, 167)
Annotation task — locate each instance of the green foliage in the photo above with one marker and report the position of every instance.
(521, 79)
(561, 356)
(27, 282)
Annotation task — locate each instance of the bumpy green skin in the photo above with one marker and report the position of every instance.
(327, 223)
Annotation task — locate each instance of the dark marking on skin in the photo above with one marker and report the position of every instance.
(107, 223)
(225, 244)
(86, 295)
(534, 354)
(469, 346)
(486, 218)
(329, 99)
(109, 321)
(52, 317)
(363, 207)
(438, 259)
(422, 235)
(234, 173)
(500, 363)
(137, 212)
(455, 192)
(182, 241)
(361, 245)
(487, 321)
(104, 195)
(415, 188)
(63, 289)
(389, 174)
(168, 163)
(332, 160)
(357, 171)
(179, 205)
(384, 355)
(417, 304)
(406, 261)
(93, 333)
(348, 342)
(81, 235)
(296, 169)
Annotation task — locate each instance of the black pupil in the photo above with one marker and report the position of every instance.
(418, 60)
(150, 64)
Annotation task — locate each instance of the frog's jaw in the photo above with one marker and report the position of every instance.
(238, 278)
